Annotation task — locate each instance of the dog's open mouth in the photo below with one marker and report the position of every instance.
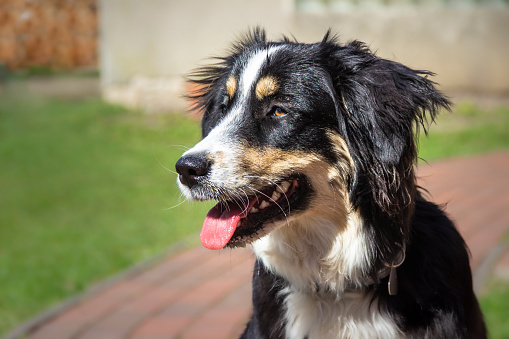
(237, 223)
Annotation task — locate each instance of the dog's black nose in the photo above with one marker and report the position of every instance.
(192, 167)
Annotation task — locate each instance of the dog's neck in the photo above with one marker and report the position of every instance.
(311, 251)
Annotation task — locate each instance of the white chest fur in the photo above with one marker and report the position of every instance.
(314, 250)
(323, 316)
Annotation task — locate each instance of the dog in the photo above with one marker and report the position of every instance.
(309, 150)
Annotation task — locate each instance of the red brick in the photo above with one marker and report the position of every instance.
(125, 290)
(483, 241)
(227, 319)
(172, 265)
(116, 325)
(53, 330)
(162, 326)
(154, 300)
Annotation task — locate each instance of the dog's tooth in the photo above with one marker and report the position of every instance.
(283, 187)
(286, 185)
(253, 210)
(276, 195)
(264, 205)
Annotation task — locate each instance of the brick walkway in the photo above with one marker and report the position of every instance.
(205, 294)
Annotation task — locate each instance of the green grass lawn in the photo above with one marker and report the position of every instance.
(494, 304)
(86, 191)
(467, 130)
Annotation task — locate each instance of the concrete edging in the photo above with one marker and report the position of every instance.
(487, 265)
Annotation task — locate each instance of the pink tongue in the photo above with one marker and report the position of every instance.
(219, 225)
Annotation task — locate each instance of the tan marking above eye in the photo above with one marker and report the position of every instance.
(266, 86)
(231, 86)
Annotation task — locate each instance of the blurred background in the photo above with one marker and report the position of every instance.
(146, 46)
(92, 119)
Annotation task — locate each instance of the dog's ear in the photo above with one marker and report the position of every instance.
(380, 105)
(384, 100)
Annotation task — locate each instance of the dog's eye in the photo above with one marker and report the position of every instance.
(277, 112)
(224, 109)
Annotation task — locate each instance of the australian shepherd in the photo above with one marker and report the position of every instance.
(309, 150)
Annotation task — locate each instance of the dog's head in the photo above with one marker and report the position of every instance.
(294, 130)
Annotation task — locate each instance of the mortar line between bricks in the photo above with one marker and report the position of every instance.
(39, 320)
(82, 329)
(491, 217)
(150, 315)
(216, 302)
(117, 307)
(146, 290)
(241, 323)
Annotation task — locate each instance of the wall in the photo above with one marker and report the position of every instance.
(147, 46)
(52, 33)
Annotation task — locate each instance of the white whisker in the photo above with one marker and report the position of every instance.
(177, 205)
(275, 203)
(246, 203)
(275, 184)
(181, 146)
(160, 163)
(288, 245)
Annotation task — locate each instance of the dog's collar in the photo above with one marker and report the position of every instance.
(397, 261)
(390, 270)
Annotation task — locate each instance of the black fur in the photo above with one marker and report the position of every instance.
(377, 106)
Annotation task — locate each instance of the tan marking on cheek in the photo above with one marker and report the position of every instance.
(330, 198)
(345, 163)
(231, 86)
(266, 86)
(329, 181)
(275, 164)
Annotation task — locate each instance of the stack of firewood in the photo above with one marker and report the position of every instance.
(60, 34)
